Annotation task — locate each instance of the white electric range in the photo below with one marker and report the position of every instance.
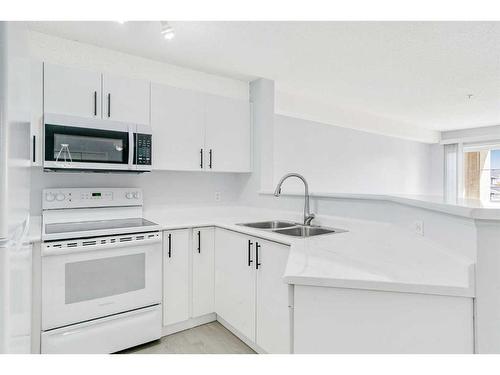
(101, 265)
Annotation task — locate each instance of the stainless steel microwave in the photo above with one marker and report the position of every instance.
(95, 145)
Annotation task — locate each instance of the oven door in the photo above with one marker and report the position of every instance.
(72, 143)
(92, 278)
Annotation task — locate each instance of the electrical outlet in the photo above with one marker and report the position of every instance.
(217, 196)
(419, 227)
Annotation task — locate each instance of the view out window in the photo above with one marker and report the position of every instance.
(481, 173)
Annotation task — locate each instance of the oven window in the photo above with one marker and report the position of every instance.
(92, 279)
(66, 143)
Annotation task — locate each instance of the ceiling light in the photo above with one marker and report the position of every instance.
(121, 22)
(167, 31)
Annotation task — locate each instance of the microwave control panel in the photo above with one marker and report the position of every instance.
(143, 149)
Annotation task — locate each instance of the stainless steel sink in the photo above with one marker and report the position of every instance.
(307, 231)
(274, 224)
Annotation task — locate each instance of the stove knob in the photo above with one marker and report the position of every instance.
(49, 197)
(136, 195)
(129, 196)
(60, 197)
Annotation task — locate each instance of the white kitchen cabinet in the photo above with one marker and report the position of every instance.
(71, 91)
(177, 119)
(125, 99)
(235, 280)
(228, 135)
(273, 312)
(250, 293)
(200, 131)
(175, 276)
(203, 271)
(36, 98)
(84, 93)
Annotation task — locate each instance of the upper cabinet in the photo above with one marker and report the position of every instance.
(71, 91)
(177, 120)
(227, 133)
(200, 131)
(83, 93)
(125, 99)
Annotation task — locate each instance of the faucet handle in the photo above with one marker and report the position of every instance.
(309, 218)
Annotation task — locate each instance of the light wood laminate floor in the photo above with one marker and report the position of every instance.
(211, 338)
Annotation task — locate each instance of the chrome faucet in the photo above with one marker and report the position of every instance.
(308, 216)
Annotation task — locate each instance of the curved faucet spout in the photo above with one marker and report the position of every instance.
(308, 216)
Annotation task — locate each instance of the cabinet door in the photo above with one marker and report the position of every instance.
(175, 276)
(227, 134)
(36, 97)
(71, 91)
(125, 99)
(235, 280)
(177, 119)
(203, 271)
(273, 313)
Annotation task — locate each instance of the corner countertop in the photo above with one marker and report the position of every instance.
(371, 255)
(469, 208)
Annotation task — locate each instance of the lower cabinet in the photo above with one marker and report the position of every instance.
(175, 276)
(235, 281)
(272, 307)
(239, 277)
(250, 294)
(203, 251)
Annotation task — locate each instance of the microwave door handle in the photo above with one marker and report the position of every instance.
(131, 149)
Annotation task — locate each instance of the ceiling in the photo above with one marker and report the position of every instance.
(418, 73)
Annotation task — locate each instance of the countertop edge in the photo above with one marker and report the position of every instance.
(441, 290)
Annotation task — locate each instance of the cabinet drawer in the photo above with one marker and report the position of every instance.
(106, 335)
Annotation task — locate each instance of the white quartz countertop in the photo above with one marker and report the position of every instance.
(469, 208)
(371, 255)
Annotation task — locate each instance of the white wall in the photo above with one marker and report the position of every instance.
(160, 188)
(324, 111)
(342, 160)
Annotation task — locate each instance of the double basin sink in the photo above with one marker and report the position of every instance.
(292, 229)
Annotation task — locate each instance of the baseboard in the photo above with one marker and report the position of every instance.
(187, 324)
(242, 337)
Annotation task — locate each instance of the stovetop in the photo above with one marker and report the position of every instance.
(85, 226)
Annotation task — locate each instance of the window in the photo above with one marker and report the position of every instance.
(481, 172)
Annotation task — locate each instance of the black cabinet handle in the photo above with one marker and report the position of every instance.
(199, 242)
(109, 105)
(210, 159)
(34, 149)
(250, 261)
(170, 245)
(257, 264)
(95, 103)
(201, 158)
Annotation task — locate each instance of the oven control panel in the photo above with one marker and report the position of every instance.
(90, 197)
